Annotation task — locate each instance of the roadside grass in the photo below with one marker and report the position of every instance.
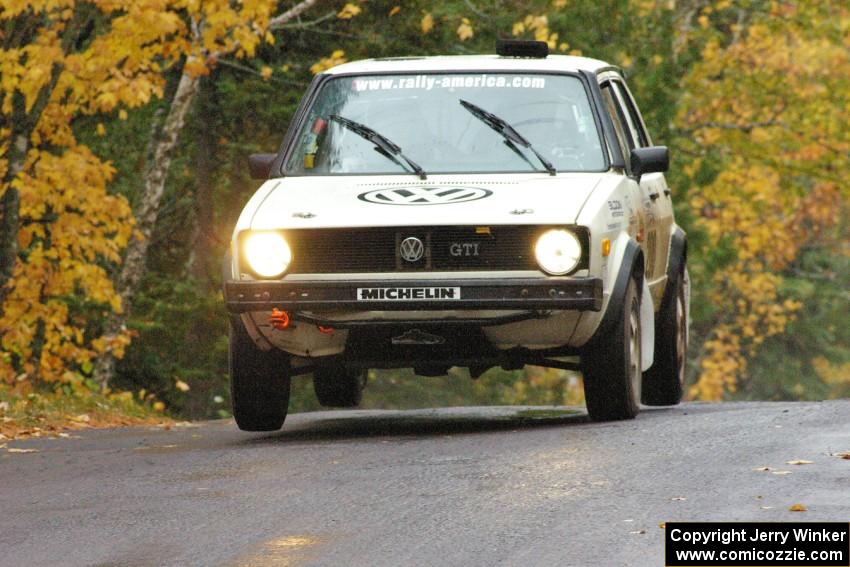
(47, 412)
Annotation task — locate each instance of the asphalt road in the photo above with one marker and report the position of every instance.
(472, 486)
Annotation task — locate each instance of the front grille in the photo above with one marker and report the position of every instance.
(446, 249)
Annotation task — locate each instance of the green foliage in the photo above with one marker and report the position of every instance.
(181, 337)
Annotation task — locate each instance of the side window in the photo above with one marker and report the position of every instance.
(632, 115)
(620, 127)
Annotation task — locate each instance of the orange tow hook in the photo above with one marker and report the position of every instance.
(279, 319)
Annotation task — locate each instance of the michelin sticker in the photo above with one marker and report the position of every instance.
(407, 293)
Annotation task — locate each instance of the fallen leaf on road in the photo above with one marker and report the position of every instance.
(14, 450)
(678, 498)
(152, 447)
(798, 508)
(767, 507)
(781, 472)
(638, 532)
(662, 525)
(844, 455)
(762, 469)
(799, 462)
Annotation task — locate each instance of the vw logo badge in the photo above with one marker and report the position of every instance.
(411, 249)
(421, 195)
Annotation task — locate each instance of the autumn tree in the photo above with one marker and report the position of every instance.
(764, 117)
(60, 229)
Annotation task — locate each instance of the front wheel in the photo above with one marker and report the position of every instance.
(612, 368)
(259, 382)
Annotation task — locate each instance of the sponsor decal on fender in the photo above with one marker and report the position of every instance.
(407, 293)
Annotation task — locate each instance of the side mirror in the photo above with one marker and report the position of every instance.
(655, 159)
(260, 165)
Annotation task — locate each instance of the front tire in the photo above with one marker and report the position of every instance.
(612, 369)
(259, 382)
(664, 382)
(339, 387)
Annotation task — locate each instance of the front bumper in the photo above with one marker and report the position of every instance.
(530, 294)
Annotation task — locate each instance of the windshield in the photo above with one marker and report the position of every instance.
(423, 116)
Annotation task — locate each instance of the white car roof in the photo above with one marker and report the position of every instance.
(474, 63)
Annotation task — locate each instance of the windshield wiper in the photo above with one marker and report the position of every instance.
(383, 145)
(511, 136)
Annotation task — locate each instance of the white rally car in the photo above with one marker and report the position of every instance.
(477, 211)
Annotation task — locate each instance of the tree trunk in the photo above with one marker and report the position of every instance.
(155, 175)
(10, 206)
(203, 239)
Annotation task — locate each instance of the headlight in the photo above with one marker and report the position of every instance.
(558, 252)
(267, 253)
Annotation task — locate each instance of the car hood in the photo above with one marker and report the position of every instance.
(354, 201)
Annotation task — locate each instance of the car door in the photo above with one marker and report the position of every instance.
(650, 190)
(654, 183)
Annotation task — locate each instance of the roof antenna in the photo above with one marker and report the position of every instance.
(522, 48)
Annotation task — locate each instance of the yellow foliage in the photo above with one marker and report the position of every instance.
(71, 228)
(335, 58)
(771, 108)
(427, 23)
(464, 30)
(349, 11)
(539, 28)
(63, 260)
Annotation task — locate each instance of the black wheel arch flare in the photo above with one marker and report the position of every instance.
(675, 265)
(631, 264)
